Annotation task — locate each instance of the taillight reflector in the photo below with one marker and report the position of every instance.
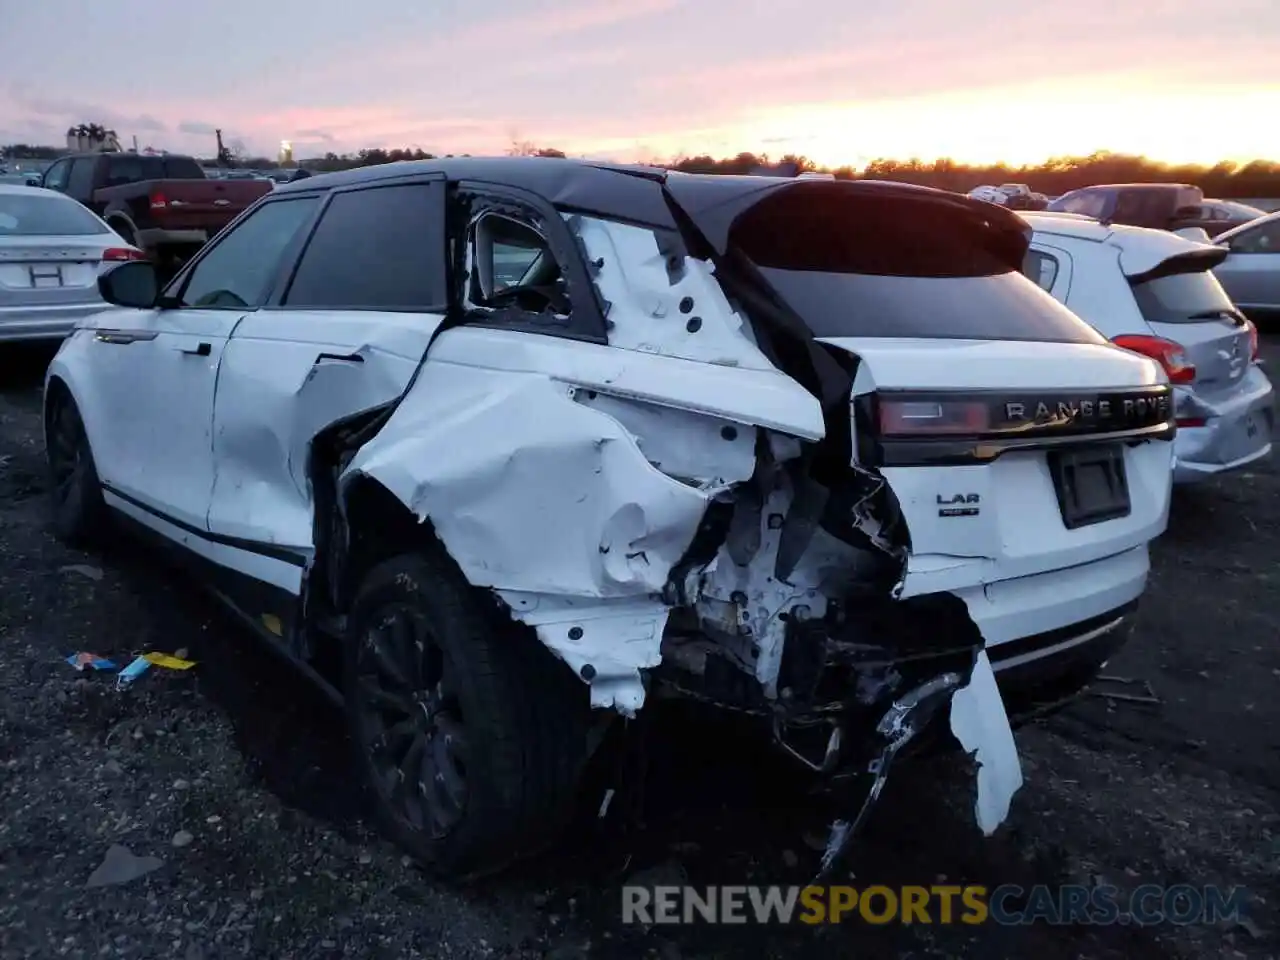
(121, 254)
(932, 418)
(1192, 421)
(1168, 354)
(159, 201)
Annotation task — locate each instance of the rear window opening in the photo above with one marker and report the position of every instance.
(39, 214)
(858, 265)
(1185, 297)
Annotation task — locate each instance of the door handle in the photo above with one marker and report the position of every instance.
(201, 350)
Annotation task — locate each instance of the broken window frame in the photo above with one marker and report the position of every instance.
(469, 201)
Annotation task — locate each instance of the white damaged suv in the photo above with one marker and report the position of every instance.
(503, 449)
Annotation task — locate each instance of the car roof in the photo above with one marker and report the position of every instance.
(1136, 186)
(1141, 248)
(1266, 218)
(625, 191)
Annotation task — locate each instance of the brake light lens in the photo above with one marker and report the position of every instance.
(1168, 354)
(1253, 341)
(915, 418)
(122, 254)
(159, 201)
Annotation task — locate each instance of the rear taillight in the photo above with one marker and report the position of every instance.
(1168, 354)
(159, 201)
(1191, 422)
(1253, 341)
(914, 418)
(121, 254)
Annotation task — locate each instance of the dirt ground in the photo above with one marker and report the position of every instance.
(234, 776)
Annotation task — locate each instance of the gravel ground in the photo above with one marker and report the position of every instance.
(232, 778)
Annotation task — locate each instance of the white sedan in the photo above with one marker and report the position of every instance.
(51, 252)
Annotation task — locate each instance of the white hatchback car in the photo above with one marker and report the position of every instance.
(502, 449)
(1155, 293)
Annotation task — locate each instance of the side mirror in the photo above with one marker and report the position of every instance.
(130, 284)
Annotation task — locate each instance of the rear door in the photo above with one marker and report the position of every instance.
(345, 335)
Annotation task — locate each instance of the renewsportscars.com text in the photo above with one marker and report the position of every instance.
(1008, 904)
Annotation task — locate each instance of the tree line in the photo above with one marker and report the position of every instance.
(1258, 178)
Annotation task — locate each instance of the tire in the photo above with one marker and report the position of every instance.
(125, 231)
(75, 494)
(492, 732)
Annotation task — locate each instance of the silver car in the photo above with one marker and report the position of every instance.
(1152, 292)
(51, 251)
(1251, 272)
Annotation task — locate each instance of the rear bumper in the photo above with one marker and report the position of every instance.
(1237, 431)
(1038, 674)
(21, 324)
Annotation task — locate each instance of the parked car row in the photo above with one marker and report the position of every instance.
(502, 451)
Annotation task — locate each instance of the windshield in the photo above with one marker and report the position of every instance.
(41, 214)
(893, 266)
(1182, 298)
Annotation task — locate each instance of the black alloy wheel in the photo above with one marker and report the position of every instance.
(414, 733)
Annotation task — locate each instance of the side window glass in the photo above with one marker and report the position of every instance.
(80, 182)
(510, 266)
(1041, 267)
(1261, 239)
(238, 270)
(55, 178)
(380, 248)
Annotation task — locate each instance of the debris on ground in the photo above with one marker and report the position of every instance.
(91, 661)
(132, 672)
(121, 865)
(1104, 686)
(168, 661)
(84, 569)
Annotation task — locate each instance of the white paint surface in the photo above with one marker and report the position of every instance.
(979, 722)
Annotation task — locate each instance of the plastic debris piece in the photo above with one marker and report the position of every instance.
(84, 569)
(167, 661)
(91, 660)
(120, 865)
(137, 668)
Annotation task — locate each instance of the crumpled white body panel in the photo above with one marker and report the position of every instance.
(980, 723)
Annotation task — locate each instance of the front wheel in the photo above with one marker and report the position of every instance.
(469, 735)
(75, 493)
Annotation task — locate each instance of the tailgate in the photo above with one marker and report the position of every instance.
(999, 475)
(1182, 301)
(210, 204)
(1014, 438)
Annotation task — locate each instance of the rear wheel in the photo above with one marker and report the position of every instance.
(75, 494)
(469, 735)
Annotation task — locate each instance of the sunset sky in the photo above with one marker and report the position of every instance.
(840, 82)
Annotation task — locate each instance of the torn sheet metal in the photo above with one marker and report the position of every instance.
(661, 301)
(278, 388)
(980, 723)
(534, 493)
(606, 644)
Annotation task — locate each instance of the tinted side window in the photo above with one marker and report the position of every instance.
(1041, 267)
(238, 270)
(80, 183)
(181, 168)
(1090, 203)
(55, 178)
(1261, 239)
(380, 248)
